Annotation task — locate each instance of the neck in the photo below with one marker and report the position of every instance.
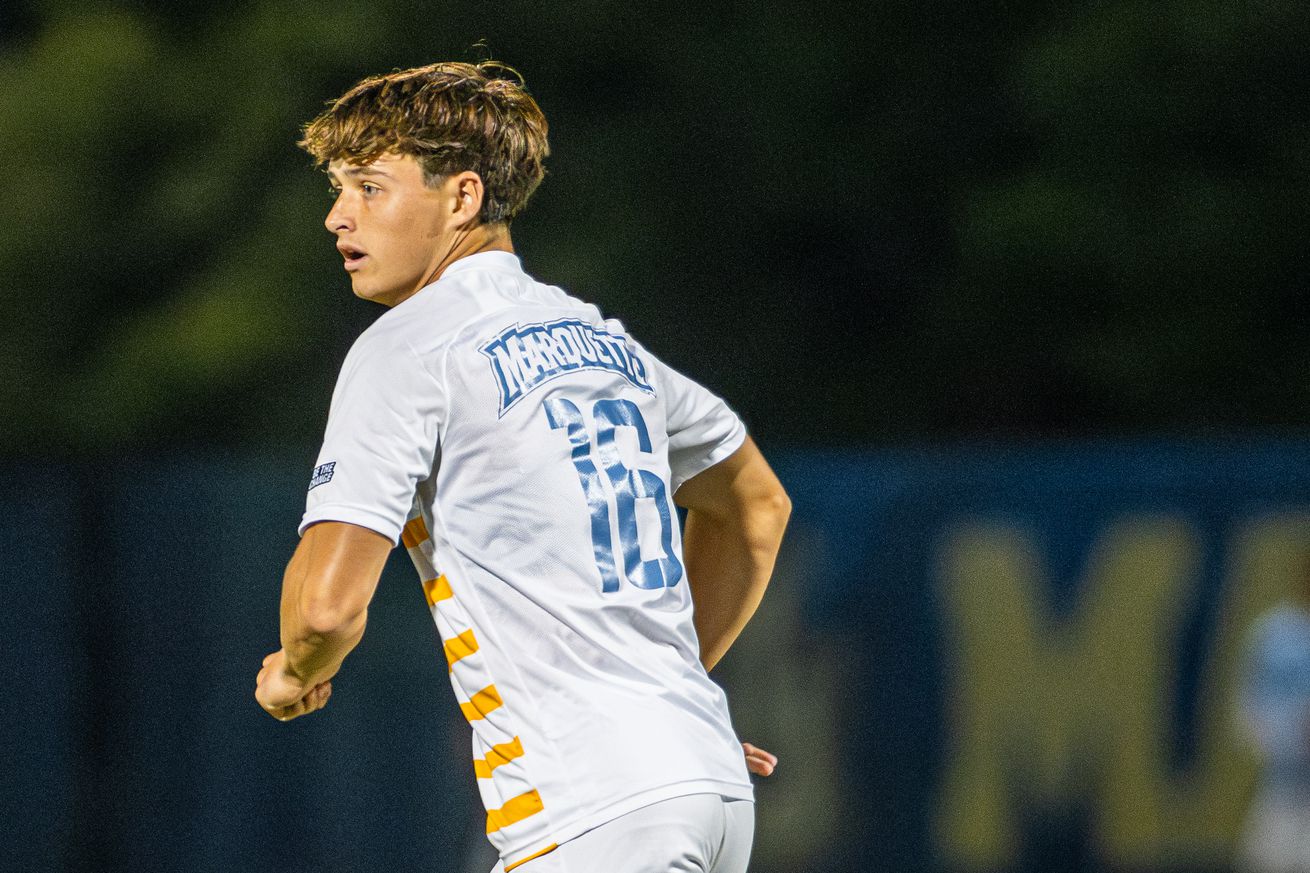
(475, 240)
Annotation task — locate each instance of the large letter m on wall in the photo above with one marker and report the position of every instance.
(1077, 712)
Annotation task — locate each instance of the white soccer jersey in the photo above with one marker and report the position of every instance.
(527, 451)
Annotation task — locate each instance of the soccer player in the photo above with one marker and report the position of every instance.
(528, 453)
(1274, 710)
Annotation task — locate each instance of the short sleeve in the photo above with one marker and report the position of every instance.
(702, 429)
(381, 438)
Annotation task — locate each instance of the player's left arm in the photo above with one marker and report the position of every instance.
(325, 596)
(737, 511)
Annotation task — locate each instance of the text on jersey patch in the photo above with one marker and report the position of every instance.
(525, 357)
(322, 474)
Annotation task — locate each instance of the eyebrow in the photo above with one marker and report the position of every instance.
(366, 170)
(356, 172)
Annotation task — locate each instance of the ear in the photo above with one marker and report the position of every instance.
(467, 192)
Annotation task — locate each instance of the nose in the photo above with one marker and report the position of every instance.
(339, 218)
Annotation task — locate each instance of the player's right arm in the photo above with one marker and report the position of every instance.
(326, 591)
(380, 441)
(737, 511)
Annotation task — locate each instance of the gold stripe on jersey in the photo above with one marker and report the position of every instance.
(515, 810)
(460, 647)
(501, 753)
(519, 863)
(437, 589)
(414, 532)
(485, 701)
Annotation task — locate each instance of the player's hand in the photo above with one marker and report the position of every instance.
(284, 696)
(758, 761)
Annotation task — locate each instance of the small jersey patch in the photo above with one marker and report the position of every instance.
(322, 474)
(526, 356)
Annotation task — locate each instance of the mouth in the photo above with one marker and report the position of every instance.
(354, 255)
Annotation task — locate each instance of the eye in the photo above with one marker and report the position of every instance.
(369, 188)
(334, 192)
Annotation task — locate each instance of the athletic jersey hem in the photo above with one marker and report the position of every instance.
(370, 519)
(580, 826)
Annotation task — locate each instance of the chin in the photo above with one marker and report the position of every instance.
(364, 292)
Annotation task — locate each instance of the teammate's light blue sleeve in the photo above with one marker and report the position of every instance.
(1275, 692)
(702, 429)
(381, 436)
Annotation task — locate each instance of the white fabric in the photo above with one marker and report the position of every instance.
(701, 833)
(1275, 838)
(530, 450)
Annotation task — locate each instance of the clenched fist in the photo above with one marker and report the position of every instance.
(284, 695)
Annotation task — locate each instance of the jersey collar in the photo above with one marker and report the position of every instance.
(484, 261)
(504, 262)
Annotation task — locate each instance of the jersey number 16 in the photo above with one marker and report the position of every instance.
(627, 485)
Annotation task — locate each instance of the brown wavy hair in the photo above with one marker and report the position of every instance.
(450, 116)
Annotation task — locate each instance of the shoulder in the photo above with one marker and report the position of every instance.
(424, 325)
(1280, 626)
(515, 308)
(1285, 616)
(385, 344)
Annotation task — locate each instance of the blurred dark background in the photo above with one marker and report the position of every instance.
(858, 221)
(1035, 262)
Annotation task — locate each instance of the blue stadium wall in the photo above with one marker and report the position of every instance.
(981, 659)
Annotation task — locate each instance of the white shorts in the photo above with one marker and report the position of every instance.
(699, 833)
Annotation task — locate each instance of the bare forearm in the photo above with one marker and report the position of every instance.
(320, 624)
(729, 561)
(316, 655)
(325, 595)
